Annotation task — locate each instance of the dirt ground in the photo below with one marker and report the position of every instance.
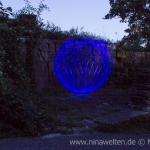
(85, 111)
(105, 105)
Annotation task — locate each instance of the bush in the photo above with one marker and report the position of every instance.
(16, 112)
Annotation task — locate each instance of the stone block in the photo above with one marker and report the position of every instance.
(131, 106)
(132, 103)
(136, 98)
(146, 102)
(144, 105)
(144, 93)
(136, 101)
(137, 107)
(143, 87)
(147, 109)
(133, 92)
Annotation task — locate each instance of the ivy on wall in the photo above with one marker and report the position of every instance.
(17, 70)
(17, 63)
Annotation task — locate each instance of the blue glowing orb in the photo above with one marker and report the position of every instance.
(83, 65)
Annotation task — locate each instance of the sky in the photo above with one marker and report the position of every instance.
(78, 13)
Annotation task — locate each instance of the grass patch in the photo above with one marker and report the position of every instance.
(6, 134)
(66, 131)
(110, 111)
(82, 117)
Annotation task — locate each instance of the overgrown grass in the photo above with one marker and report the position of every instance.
(110, 111)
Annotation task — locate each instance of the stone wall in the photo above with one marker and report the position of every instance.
(44, 70)
(137, 57)
(140, 92)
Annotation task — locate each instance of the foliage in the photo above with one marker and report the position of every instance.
(4, 12)
(15, 113)
(30, 10)
(136, 13)
(14, 35)
(17, 73)
(127, 70)
(55, 33)
(120, 52)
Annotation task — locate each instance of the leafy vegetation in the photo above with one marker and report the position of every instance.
(136, 14)
(17, 110)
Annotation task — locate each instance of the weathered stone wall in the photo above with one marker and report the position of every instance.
(44, 70)
(137, 57)
(140, 92)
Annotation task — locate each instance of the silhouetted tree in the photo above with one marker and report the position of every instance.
(137, 14)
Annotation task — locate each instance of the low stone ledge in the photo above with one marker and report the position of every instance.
(137, 107)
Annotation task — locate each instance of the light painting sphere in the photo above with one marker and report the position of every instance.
(83, 65)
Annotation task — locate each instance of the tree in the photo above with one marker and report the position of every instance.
(4, 12)
(137, 14)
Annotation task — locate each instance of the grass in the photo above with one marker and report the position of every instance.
(110, 111)
(82, 117)
(71, 120)
(7, 134)
(66, 131)
(54, 108)
(50, 106)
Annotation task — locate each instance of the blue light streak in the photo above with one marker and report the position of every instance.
(83, 65)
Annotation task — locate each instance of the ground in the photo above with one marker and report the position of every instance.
(83, 113)
(98, 115)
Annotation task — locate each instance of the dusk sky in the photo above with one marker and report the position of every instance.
(78, 13)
